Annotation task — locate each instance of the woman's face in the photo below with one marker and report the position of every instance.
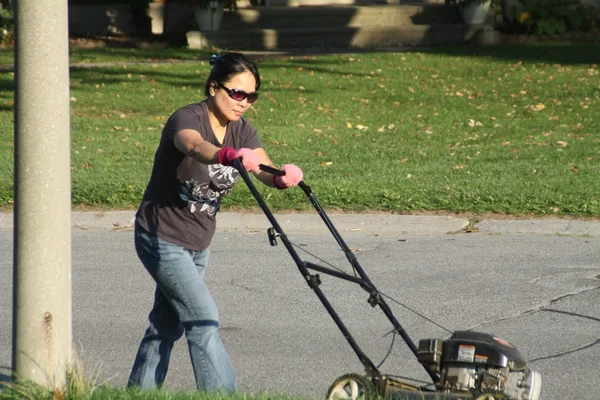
(228, 107)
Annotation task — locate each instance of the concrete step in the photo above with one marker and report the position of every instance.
(323, 37)
(301, 3)
(340, 16)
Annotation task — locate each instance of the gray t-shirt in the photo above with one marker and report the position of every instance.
(183, 196)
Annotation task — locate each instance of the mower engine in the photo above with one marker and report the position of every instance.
(481, 364)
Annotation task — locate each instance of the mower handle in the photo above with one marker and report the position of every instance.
(271, 170)
(313, 280)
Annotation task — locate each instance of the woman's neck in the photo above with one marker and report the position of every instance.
(218, 121)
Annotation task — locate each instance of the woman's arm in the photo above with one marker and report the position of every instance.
(190, 143)
(263, 176)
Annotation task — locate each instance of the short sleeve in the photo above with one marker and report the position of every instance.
(184, 118)
(251, 140)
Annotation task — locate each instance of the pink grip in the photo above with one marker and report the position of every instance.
(293, 176)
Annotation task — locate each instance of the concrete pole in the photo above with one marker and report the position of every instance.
(42, 333)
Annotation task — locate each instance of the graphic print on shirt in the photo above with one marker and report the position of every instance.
(208, 194)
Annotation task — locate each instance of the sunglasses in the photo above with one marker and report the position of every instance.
(239, 95)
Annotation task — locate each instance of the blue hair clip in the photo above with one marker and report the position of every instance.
(213, 59)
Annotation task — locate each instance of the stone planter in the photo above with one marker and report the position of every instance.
(475, 13)
(156, 12)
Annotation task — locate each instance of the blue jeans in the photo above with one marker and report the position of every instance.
(182, 304)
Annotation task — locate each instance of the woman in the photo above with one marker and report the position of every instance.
(193, 169)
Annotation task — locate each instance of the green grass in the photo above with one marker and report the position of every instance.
(82, 57)
(103, 392)
(82, 383)
(508, 129)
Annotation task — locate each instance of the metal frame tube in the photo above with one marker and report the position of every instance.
(365, 282)
(370, 368)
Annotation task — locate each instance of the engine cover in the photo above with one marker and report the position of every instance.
(480, 363)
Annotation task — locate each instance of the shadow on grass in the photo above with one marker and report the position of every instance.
(116, 74)
(549, 52)
(132, 54)
(565, 53)
(7, 88)
(584, 53)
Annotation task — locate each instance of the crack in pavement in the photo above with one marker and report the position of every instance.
(563, 353)
(537, 308)
(542, 307)
(571, 313)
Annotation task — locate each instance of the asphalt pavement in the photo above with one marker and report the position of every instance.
(534, 282)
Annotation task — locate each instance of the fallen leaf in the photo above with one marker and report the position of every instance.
(561, 143)
(58, 395)
(538, 107)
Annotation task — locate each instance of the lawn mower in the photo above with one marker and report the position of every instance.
(467, 365)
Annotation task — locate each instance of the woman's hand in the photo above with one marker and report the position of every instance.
(250, 160)
(293, 176)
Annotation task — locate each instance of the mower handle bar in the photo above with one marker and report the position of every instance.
(303, 266)
(271, 170)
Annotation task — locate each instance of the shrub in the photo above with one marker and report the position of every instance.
(6, 22)
(550, 17)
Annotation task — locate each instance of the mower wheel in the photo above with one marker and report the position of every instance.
(352, 387)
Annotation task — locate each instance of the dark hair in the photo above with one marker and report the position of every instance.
(227, 65)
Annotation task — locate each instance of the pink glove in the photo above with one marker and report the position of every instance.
(293, 176)
(250, 160)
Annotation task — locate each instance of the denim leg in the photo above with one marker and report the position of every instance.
(182, 304)
(212, 366)
(152, 359)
